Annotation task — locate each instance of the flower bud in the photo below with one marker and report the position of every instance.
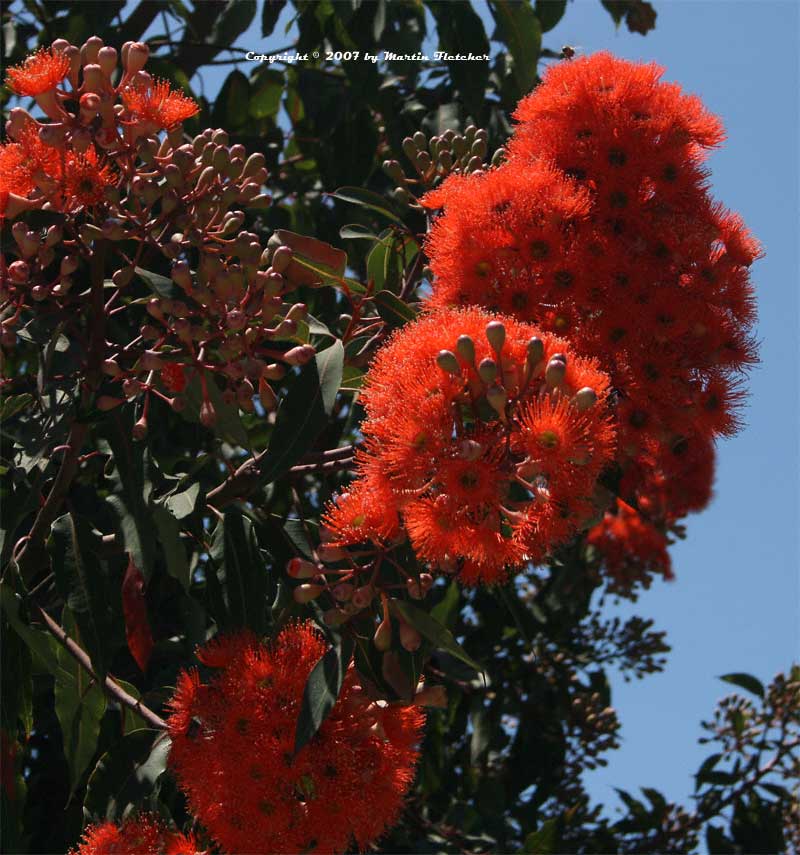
(363, 596)
(585, 399)
(487, 370)
(383, 635)
(554, 373)
(410, 639)
(19, 272)
(208, 415)
(123, 277)
(299, 355)
(306, 593)
(535, 352)
(299, 568)
(136, 57)
(150, 361)
(496, 335)
(446, 360)
(107, 59)
(140, 429)
(466, 349)
(331, 553)
(343, 592)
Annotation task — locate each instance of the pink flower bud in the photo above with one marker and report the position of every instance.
(363, 596)
(150, 361)
(410, 639)
(343, 592)
(383, 635)
(299, 355)
(135, 58)
(299, 568)
(18, 272)
(208, 415)
(307, 592)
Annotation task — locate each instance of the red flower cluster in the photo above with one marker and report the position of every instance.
(233, 751)
(600, 227)
(144, 835)
(485, 436)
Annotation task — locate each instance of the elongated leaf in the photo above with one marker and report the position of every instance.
(126, 778)
(393, 310)
(707, 766)
(265, 100)
(80, 579)
(134, 610)
(43, 646)
(368, 199)
(322, 690)
(355, 231)
(241, 571)
(182, 505)
(522, 32)
(430, 628)
(550, 12)
(270, 13)
(543, 841)
(158, 284)
(745, 681)
(304, 412)
(234, 19)
(80, 706)
(168, 530)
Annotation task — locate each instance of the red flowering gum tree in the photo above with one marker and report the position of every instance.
(311, 496)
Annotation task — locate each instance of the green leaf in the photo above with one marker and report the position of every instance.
(131, 493)
(183, 504)
(549, 13)
(446, 610)
(522, 32)
(14, 404)
(127, 777)
(461, 31)
(169, 538)
(80, 705)
(41, 644)
(157, 283)
(242, 572)
(233, 101)
(80, 579)
(234, 19)
(543, 841)
(368, 199)
(322, 689)
(270, 13)
(716, 841)
(706, 767)
(265, 100)
(432, 630)
(393, 310)
(304, 412)
(355, 231)
(746, 682)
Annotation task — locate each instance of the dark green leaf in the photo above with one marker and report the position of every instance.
(183, 504)
(717, 842)
(43, 646)
(80, 705)
(235, 18)
(157, 283)
(430, 628)
(127, 777)
(746, 682)
(354, 231)
(242, 572)
(265, 100)
(304, 412)
(233, 101)
(81, 581)
(393, 310)
(550, 12)
(169, 538)
(521, 31)
(322, 689)
(707, 766)
(270, 13)
(14, 404)
(368, 199)
(543, 841)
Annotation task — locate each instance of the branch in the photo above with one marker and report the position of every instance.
(33, 552)
(246, 478)
(114, 690)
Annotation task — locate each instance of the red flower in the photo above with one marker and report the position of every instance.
(233, 751)
(490, 457)
(144, 835)
(85, 181)
(40, 72)
(173, 376)
(158, 105)
(632, 549)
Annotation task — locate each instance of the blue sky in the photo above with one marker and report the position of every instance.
(735, 605)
